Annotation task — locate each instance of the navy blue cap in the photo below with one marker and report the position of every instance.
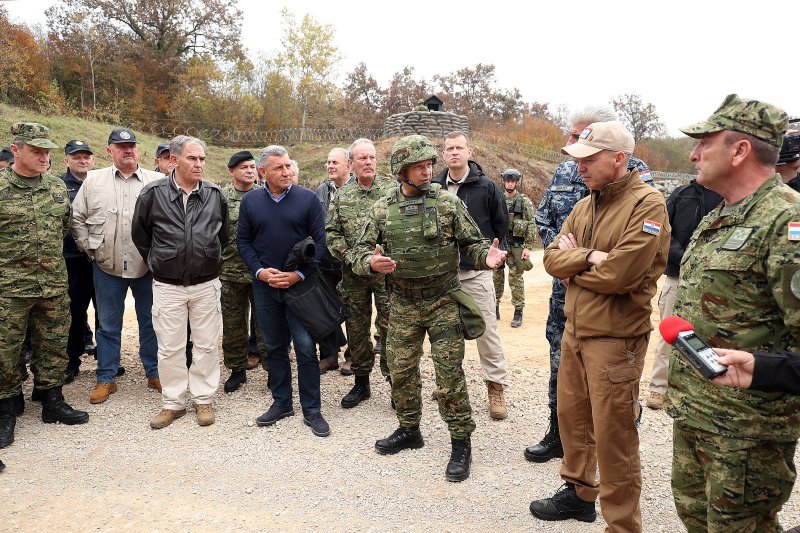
(240, 157)
(76, 146)
(122, 135)
(161, 149)
(6, 155)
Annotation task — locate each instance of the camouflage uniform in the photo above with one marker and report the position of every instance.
(521, 234)
(34, 218)
(565, 189)
(739, 287)
(236, 295)
(423, 234)
(346, 218)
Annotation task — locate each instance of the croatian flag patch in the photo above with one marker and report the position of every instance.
(585, 133)
(794, 231)
(651, 227)
(645, 175)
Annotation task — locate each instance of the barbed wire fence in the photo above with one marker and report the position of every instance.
(250, 135)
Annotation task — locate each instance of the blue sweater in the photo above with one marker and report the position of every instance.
(267, 230)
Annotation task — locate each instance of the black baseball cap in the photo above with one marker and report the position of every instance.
(76, 146)
(239, 157)
(122, 135)
(161, 149)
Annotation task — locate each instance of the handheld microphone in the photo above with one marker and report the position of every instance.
(680, 334)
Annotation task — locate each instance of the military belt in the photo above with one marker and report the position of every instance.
(425, 293)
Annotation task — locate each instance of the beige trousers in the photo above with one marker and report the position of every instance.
(666, 302)
(480, 285)
(173, 307)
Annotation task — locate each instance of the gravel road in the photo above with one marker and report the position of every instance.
(116, 474)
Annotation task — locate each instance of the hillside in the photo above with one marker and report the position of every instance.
(310, 156)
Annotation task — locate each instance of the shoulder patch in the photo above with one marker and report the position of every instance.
(794, 231)
(652, 227)
(738, 238)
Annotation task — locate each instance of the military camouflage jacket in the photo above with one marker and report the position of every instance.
(521, 225)
(454, 224)
(740, 288)
(564, 191)
(34, 218)
(233, 268)
(348, 214)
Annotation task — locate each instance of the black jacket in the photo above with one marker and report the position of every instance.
(686, 207)
(71, 250)
(181, 247)
(485, 203)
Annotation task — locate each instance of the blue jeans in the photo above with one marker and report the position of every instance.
(110, 292)
(277, 323)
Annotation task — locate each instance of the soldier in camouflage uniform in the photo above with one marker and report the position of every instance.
(520, 239)
(420, 228)
(565, 189)
(733, 449)
(34, 218)
(236, 295)
(346, 218)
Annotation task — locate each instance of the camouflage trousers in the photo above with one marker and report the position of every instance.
(358, 295)
(49, 320)
(553, 332)
(515, 281)
(236, 301)
(723, 484)
(409, 320)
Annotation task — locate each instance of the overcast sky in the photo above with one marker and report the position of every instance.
(683, 56)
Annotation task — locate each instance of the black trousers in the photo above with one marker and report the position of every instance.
(81, 291)
(329, 346)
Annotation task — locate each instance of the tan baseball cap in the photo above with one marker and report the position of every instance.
(598, 136)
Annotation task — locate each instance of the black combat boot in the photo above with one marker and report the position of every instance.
(460, 460)
(517, 320)
(236, 379)
(8, 421)
(18, 404)
(549, 447)
(358, 393)
(401, 439)
(563, 505)
(55, 409)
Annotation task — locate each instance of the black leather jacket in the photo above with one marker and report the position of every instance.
(181, 247)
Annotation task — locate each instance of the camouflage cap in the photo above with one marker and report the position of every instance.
(409, 150)
(32, 133)
(759, 119)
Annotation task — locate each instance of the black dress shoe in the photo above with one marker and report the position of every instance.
(460, 460)
(358, 393)
(273, 414)
(72, 373)
(18, 404)
(7, 422)
(563, 505)
(90, 348)
(401, 439)
(318, 425)
(121, 371)
(236, 379)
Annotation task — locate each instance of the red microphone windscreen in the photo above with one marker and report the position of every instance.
(671, 326)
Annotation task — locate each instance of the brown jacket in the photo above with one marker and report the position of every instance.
(612, 299)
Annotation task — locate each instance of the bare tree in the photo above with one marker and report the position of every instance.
(640, 118)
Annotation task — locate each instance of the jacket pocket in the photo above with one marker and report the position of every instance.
(164, 263)
(212, 260)
(94, 226)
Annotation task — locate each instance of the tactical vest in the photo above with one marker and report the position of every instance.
(516, 234)
(413, 237)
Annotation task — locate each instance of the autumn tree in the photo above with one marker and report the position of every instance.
(309, 58)
(640, 118)
(405, 91)
(23, 72)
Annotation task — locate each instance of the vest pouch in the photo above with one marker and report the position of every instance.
(430, 223)
(524, 264)
(472, 324)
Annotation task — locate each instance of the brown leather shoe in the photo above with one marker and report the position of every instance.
(328, 363)
(497, 403)
(253, 360)
(205, 414)
(102, 391)
(656, 400)
(346, 369)
(154, 384)
(166, 417)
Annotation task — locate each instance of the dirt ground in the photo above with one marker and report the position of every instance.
(115, 473)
